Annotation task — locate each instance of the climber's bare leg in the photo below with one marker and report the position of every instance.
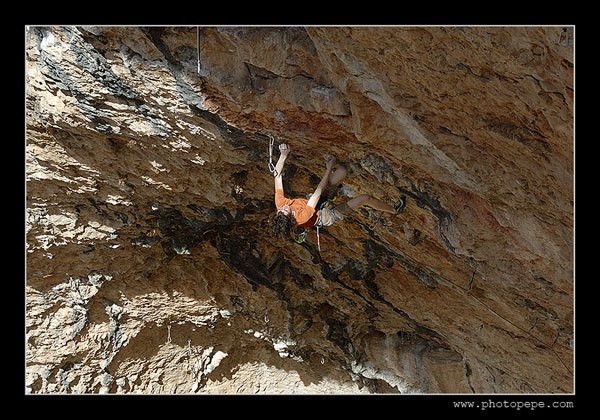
(367, 200)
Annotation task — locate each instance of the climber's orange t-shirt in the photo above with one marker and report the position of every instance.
(304, 214)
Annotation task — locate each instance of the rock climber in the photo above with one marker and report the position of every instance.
(303, 213)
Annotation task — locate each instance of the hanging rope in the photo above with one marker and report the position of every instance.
(318, 239)
(198, 46)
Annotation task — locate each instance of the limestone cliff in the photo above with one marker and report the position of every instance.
(150, 266)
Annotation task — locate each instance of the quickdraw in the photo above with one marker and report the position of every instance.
(376, 221)
(271, 164)
(398, 206)
(565, 42)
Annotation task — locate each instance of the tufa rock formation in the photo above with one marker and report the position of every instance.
(150, 263)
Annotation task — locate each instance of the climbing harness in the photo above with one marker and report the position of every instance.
(271, 164)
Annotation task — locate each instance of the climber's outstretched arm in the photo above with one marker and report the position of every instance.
(285, 151)
(314, 199)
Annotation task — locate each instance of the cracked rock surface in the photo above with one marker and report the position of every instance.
(150, 265)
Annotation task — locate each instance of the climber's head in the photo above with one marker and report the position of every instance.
(282, 222)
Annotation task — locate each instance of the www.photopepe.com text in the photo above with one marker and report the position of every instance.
(498, 404)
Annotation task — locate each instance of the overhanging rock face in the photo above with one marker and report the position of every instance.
(150, 265)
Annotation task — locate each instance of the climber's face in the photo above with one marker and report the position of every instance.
(285, 210)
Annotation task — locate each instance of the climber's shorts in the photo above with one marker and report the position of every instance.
(329, 215)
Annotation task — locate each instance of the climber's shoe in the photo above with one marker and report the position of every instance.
(400, 204)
